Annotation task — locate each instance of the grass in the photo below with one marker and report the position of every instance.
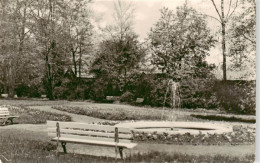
(27, 147)
(34, 116)
(223, 118)
(117, 112)
(31, 102)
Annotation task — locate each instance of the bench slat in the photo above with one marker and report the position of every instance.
(3, 109)
(90, 138)
(2, 115)
(92, 133)
(87, 126)
(4, 112)
(95, 142)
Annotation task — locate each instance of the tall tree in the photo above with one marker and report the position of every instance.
(223, 19)
(180, 43)
(120, 52)
(242, 35)
(79, 32)
(16, 45)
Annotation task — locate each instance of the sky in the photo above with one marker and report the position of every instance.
(147, 13)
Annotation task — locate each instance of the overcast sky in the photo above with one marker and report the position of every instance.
(147, 13)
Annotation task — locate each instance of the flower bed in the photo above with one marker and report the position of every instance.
(34, 116)
(240, 135)
(113, 113)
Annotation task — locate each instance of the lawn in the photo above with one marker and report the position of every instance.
(32, 116)
(20, 145)
(30, 102)
(124, 112)
(29, 147)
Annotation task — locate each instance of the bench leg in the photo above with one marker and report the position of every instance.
(63, 144)
(5, 120)
(11, 120)
(121, 152)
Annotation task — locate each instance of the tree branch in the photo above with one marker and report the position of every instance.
(228, 16)
(230, 2)
(211, 17)
(253, 42)
(216, 9)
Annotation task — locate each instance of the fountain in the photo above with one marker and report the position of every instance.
(177, 127)
(173, 89)
(172, 127)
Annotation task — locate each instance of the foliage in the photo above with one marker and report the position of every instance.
(237, 96)
(240, 135)
(116, 113)
(31, 102)
(242, 35)
(180, 43)
(117, 59)
(34, 116)
(24, 90)
(127, 97)
(198, 93)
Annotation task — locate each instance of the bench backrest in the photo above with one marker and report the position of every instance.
(112, 98)
(139, 100)
(89, 131)
(4, 112)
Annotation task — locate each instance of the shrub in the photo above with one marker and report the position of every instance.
(236, 96)
(34, 116)
(117, 113)
(198, 93)
(127, 97)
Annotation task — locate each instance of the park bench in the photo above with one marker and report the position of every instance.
(112, 98)
(5, 115)
(4, 95)
(139, 100)
(90, 134)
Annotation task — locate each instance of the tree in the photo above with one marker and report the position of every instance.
(79, 32)
(59, 28)
(120, 52)
(180, 43)
(242, 36)
(223, 19)
(117, 60)
(17, 57)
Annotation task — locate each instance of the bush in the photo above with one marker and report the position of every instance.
(198, 93)
(236, 96)
(116, 113)
(34, 116)
(127, 97)
(28, 91)
(152, 88)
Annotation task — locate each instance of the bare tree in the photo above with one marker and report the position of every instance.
(223, 20)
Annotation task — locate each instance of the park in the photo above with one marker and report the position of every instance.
(127, 81)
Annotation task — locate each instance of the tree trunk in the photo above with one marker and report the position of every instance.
(74, 62)
(223, 25)
(49, 78)
(80, 60)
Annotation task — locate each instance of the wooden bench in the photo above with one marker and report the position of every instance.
(90, 134)
(5, 115)
(112, 98)
(139, 100)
